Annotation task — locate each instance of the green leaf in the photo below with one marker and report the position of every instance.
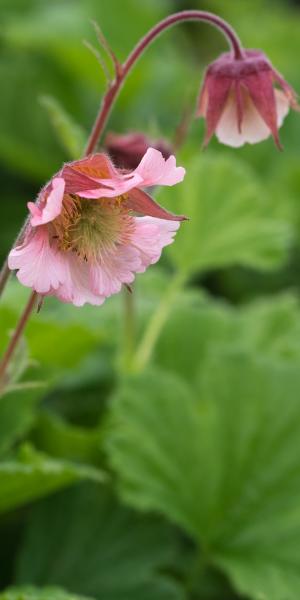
(69, 134)
(17, 413)
(232, 221)
(192, 329)
(34, 593)
(221, 459)
(60, 439)
(98, 548)
(32, 475)
(80, 337)
(269, 327)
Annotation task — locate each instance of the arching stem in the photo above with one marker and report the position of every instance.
(139, 49)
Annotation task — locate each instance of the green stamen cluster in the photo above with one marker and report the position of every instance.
(91, 227)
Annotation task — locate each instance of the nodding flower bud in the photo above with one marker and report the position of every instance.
(128, 150)
(239, 101)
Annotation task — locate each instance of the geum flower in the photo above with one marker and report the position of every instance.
(84, 239)
(239, 102)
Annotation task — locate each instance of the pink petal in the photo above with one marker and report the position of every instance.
(77, 286)
(110, 188)
(141, 202)
(96, 177)
(77, 182)
(52, 207)
(253, 127)
(145, 247)
(115, 270)
(150, 237)
(282, 106)
(39, 266)
(155, 170)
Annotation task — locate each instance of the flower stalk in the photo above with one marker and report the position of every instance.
(16, 338)
(123, 70)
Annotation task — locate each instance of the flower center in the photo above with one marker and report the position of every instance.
(91, 228)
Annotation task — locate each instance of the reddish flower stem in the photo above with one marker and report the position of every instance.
(4, 276)
(15, 338)
(147, 40)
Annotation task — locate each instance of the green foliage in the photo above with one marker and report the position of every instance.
(31, 475)
(32, 593)
(17, 413)
(59, 438)
(221, 459)
(124, 557)
(228, 224)
(266, 328)
(71, 135)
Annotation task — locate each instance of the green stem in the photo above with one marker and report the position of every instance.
(128, 330)
(156, 323)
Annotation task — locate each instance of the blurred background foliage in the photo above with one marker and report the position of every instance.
(182, 473)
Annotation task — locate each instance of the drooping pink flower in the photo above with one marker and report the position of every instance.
(84, 239)
(239, 101)
(128, 149)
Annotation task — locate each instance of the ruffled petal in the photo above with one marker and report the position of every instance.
(95, 177)
(52, 206)
(147, 241)
(150, 237)
(155, 170)
(78, 183)
(39, 266)
(115, 270)
(110, 188)
(77, 286)
(90, 182)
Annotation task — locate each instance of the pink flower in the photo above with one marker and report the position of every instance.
(83, 241)
(239, 102)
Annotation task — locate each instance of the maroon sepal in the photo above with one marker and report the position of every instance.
(140, 202)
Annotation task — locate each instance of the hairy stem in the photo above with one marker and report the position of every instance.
(16, 338)
(4, 276)
(147, 40)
